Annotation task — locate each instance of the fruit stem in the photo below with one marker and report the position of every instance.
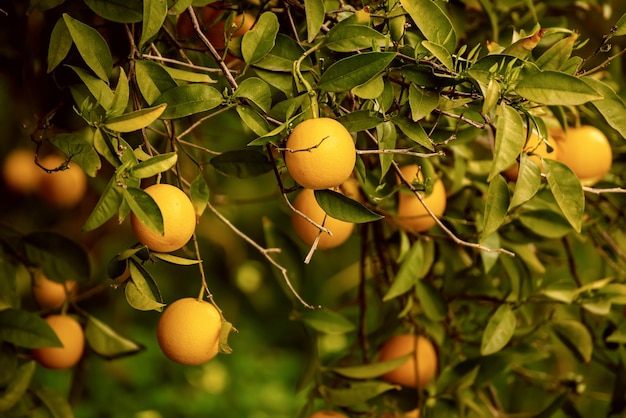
(298, 75)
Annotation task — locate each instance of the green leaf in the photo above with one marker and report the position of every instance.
(79, 145)
(141, 290)
(352, 37)
(55, 402)
(620, 26)
(575, 336)
(496, 207)
(106, 342)
(343, 208)
(347, 73)
(527, 183)
(108, 204)
(327, 321)
(555, 406)
(17, 386)
(120, 97)
(144, 207)
(120, 11)
(288, 257)
(199, 194)
(408, 273)
(189, 76)
(152, 79)
(174, 259)
(432, 22)
(257, 91)
(91, 46)
(253, 120)
(360, 120)
(414, 131)
(546, 223)
(422, 101)
(136, 120)
(59, 46)
(188, 99)
(99, 89)
(431, 300)
(155, 165)
(567, 191)
(611, 107)
(9, 295)
(440, 52)
(259, 41)
(282, 55)
(26, 329)
(371, 370)
(557, 55)
(356, 393)
(315, 15)
(371, 89)
(509, 140)
(154, 14)
(60, 258)
(555, 88)
(499, 330)
(242, 163)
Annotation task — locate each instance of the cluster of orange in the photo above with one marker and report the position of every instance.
(62, 189)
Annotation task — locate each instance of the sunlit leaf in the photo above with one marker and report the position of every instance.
(153, 80)
(422, 101)
(199, 194)
(527, 183)
(257, 91)
(141, 290)
(253, 120)
(315, 15)
(555, 88)
(611, 107)
(499, 330)
(91, 46)
(557, 55)
(496, 207)
(327, 321)
(99, 89)
(136, 120)
(60, 44)
(349, 38)
(259, 41)
(440, 52)
(546, 223)
(282, 55)
(576, 336)
(17, 386)
(154, 165)
(408, 273)
(432, 22)
(144, 207)
(414, 131)
(188, 99)
(174, 259)
(108, 204)
(509, 139)
(567, 191)
(79, 145)
(154, 14)
(106, 342)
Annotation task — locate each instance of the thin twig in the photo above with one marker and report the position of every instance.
(181, 63)
(600, 191)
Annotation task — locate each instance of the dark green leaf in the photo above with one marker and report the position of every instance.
(356, 393)
(242, 163)
(17, 386)
(315, 15)
(431, 301)
(259, 41)
(422, 102)
(141, 290)
(108, 204)
(154, 14)
(611, 107)
(106, 342)
(288, 257)
(282, 56)
(99, 89)
(496, 207)
(60, 258)
(199, 194)
(509, 139)
(343, 208)
(558, 54)
(567, 191)
(188, 99)
(499, 330)
(121, 96)
(152, 79)
(354, 70)
(120, 11)
(414, 131)
(528, 181)
(26, 329)
(360, 120)
(257, 91)
(327, 321)
(554, 406)
(9, 296)
(371, 370)
(91, 46)
(79, 145)
(555, 88)
(60, 45)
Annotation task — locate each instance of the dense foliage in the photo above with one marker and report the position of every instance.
(520, 284)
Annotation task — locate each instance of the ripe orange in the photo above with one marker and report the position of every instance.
(328, 414)
(587, 151)
(419, 369)
(306, 203)
(411, 213)
(213, 19)
(20, 173)
(536, 149)
(320, 153)
(179, 219)
(50, 294)
(63, 189)
(72, 337)
(188, 331)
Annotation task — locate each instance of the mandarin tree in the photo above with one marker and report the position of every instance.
(326, 187)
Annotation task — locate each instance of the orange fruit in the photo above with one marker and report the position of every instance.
(20, 173)
(50, 294)
(320, 153)
(72, 337)
(306, 203)
(419, 369)
(213, 19)
(587, 151)
(188, 331)
(536, 149)
(411, 212)
(328, 414)
(65, 188)
(179, 220)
